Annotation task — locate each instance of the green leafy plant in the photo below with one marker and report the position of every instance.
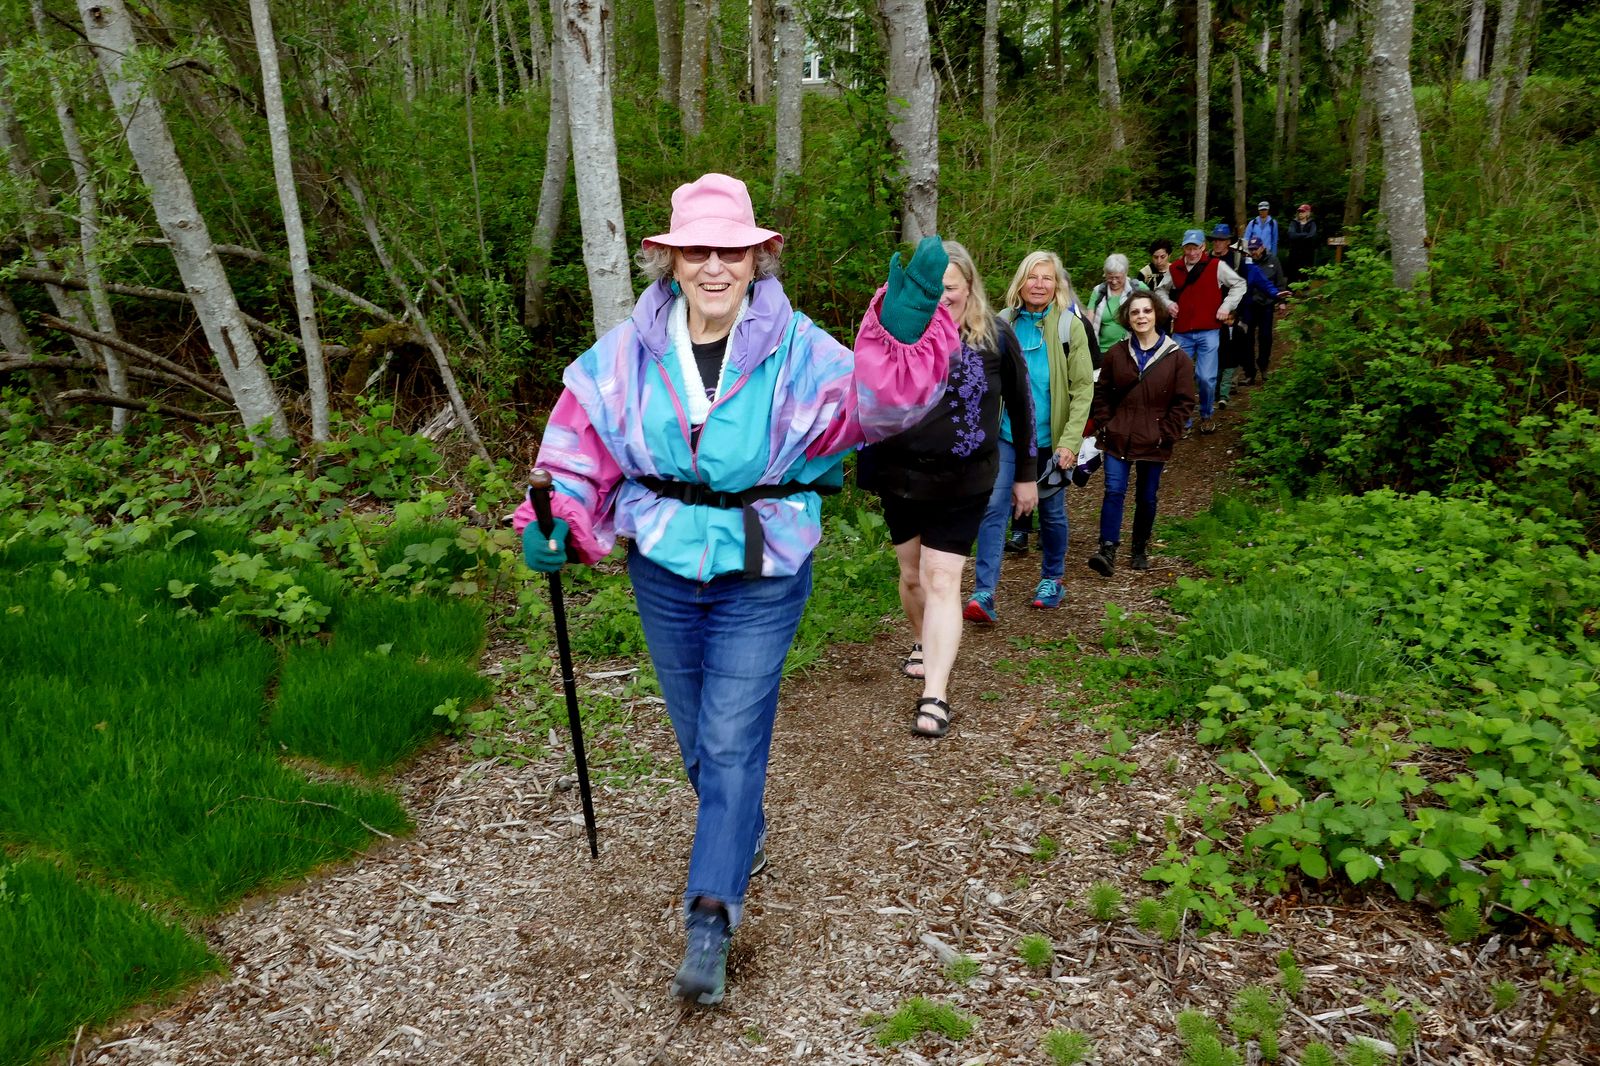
(1045, 849)
(1503, 995)
(1147, 913)
(1318, 1054)
(962, 969)
(1104, 901)
(1256, 1015)
(1289, 972)
(1067, 1047)
(1036, 951)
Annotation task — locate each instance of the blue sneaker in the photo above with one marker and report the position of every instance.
(704, 972)
(981, 609)
(1048, 595)
(759, 861)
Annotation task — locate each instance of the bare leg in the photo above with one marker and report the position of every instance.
(941, 617)
(909, 556)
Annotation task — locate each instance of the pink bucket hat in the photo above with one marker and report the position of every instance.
(715, 212)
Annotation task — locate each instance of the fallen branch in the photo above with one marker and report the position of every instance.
(133, 351)
(11, 363)
(240, 252)
(105, 399)
(450, 301)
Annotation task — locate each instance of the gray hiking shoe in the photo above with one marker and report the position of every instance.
(703, 976)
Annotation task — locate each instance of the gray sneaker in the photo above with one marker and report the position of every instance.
(704, 974)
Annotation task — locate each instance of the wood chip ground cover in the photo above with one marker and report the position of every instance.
(488, 935)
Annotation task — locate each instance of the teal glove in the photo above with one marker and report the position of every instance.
(914, 291)
(536, 550)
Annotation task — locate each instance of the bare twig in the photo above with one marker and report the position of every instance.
(143, 355)
(240, 252)
(105, 399)
(303, 802)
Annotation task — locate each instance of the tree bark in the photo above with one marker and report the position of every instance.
(1202, 108)
(991, 62)
(761, 47)
(305, 301)
(524, 78)
(14, 336)
(1240, 209)
(669, 49)
(1500, 69)
(110, 34)
(1472, 61)
(380, 248)
(408, 60)
(1055, 42)
(913, 114)
(1404, 199)
(552, 189)
(1360, 146)
(491, 14)
(1523, 60)
(594, 141)
(791, 43)
(1289, 46)
(692, 76)
(88, 228)
(539, 62)
(1110, 84)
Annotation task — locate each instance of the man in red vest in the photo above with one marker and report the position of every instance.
(1202, 293)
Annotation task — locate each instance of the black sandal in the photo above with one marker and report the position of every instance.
(914, 659)
(936, 710)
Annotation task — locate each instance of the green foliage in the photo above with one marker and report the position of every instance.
(1147, 913)
(1503, 995)
(1461, 922)
(1318, 1054)
(1104, 901)
(121, 952)
(1363, 1053)
(1045, 849)
(1036, 951)
(917, 1016)
(962, 969)
(1293, 978)
(1202, 1041)
(1067, 1047)
(1256, 1015)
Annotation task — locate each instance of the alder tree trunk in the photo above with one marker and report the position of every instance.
(669, 48)
(1405, 205)
(1472, 61)
(594, 153)
(1291, 57)
(1055, 41)
(88, 195)
(14, 337)
(1360, 146)
(692, 75)
(305, 301)
(913, 114)
(790, 56)
(1110, 84)
(1500, 69)
(539, 62)
(1523, 59)
(408, 61)
(761, 44)
(524, 77)
(491, 14)
(1202, 108)
(1240, 208)
(552, 188)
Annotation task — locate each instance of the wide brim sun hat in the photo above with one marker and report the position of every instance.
(713, 211)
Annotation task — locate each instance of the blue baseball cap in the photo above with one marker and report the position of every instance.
(1222, 232)
(1193, 236)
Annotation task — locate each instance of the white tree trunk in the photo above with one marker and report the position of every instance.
(110, 34)
(669, 49)
(1289, 44)
(594, 152)
(15, 341)
(540, 65)
(1202, 108)
(1360, 144)
(88, 233)
(552, 188)
(1110, 84)
(1500, 70)
(761, 46)
(524, 78)
(1523, 60)
(991, 62)
(491, 14)
(1240, 212)
(404, 19)
(791, 43)
(692, 74)
(1472, 62)
(913, 114)
(305, 301)
(1404, 202)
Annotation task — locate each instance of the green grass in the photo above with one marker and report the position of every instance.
(136, 955)
(918, 1015)
(141, 743)
(1067, 1047)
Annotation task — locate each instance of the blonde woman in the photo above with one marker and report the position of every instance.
(1039, 306)
(935, 480)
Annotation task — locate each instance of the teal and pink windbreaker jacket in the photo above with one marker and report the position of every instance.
(797, 402)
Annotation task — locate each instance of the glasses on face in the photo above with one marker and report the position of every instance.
(1139, 311)
(700, 255)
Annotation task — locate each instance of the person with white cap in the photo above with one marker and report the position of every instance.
(705, 429)
(1202, 293)
(1263, 228)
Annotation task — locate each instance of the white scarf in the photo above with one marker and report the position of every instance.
(678, 331)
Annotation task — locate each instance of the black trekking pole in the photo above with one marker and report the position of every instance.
(539, 492)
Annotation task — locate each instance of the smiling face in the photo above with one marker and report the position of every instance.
(956, 291)
(1192, 253)
(1039, 287)
(1142, 316)
(714, 287)
(1219, 246)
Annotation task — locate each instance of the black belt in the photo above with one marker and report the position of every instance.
(699, 494)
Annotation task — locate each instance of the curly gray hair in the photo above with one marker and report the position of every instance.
(655, 260)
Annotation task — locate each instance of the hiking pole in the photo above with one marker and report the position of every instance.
(539, 492)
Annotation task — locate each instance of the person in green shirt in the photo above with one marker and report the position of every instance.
(1107, 297)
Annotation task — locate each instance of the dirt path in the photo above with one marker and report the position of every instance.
(488, 936)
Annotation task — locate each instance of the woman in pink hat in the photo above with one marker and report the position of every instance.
(706, 429)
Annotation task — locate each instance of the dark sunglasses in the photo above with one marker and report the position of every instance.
(700, 255)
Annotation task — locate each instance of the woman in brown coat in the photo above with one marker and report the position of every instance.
(1145, 393)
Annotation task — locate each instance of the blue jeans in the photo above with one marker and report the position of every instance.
(1201, 346)
(1144, 505)
(992, 533)
(718, 649)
